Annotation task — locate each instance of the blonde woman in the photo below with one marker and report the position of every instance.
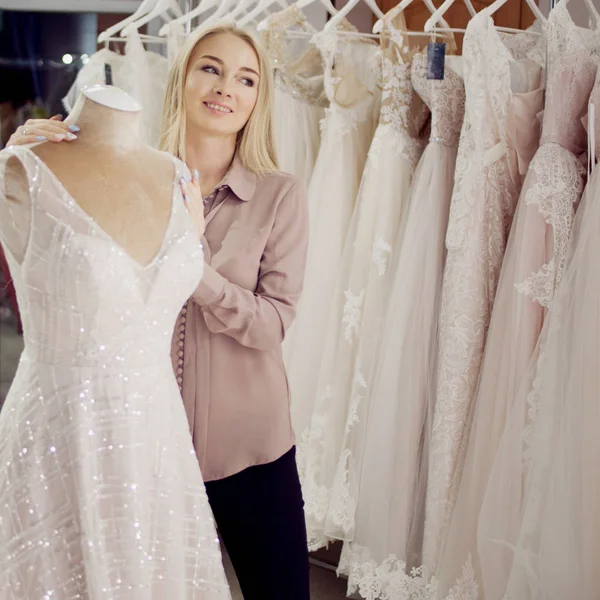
(227, 345)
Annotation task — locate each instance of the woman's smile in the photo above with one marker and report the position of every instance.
(218, 108)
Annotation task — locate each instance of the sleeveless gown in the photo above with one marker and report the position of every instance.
(389, 514)
(352, 68)
(299, 99)
(101, 494)
(331, 448)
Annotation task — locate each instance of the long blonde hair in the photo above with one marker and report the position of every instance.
(255, 142)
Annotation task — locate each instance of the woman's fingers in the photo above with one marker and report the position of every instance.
(192, 196)
(40, 130)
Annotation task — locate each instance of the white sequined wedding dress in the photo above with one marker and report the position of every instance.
(101, 495)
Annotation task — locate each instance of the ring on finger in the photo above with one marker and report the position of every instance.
(25, 131)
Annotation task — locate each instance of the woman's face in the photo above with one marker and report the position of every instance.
(221, 85)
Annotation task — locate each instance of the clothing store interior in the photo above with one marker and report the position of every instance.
(285, 291)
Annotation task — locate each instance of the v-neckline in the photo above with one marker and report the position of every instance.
(94, 223)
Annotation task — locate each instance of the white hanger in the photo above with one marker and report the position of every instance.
(223, 12)
(145, 7)
(332, 24)
(161, 10)
(404, 4)
(202, 7)
(259, 9)
(433, 21)
(331, 9)
(242, 7)
(146, 39)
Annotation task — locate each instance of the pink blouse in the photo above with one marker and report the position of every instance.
(227, 344)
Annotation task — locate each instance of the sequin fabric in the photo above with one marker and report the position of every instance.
(101, 495)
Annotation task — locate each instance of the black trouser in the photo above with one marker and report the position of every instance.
(260, 517)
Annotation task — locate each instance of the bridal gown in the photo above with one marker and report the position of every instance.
(390, 501)
(101, 495)
(141, 73)
(352, 71)
(330, 447)
(533, 266)
(498, 529)
(499, 137)
(299, 99)
(556, 544)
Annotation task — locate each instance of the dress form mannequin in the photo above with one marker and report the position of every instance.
(123, 184)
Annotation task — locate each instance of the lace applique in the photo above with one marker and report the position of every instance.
(344, 490)
(352, 313)
(445, 98)
(343, 507)
(316, 496)
(381, 254)
(304, 76)
(386, 581)
(339, 72)
(466, 587)
(401, 108)
(559, 184)
(358, 387)
(572, 70)
(523, 45)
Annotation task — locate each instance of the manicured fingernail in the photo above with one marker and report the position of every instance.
(71, 136)
(59, 137)
(186, 199)
(40, 138)
(74, 128)
(196, 174)
(186, 177)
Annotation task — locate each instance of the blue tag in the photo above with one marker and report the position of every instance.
(108, 74)
(436, 60)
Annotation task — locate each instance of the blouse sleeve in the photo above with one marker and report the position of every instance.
(259, 319)
(15, 206)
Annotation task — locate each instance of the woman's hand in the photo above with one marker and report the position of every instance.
(192, 196)
(42, 130)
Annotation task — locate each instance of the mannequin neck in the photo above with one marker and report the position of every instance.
(104, 126)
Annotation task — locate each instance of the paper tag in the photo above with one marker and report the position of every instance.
(108, 74)
(436, 60)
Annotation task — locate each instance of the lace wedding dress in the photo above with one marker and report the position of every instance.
(352, 71)
(498, 140)
(100, 490)
(532, 268)
(570, 61)
(140, 73)
(556, 545)
(300, 99)
(390, 500)
(330, 448)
